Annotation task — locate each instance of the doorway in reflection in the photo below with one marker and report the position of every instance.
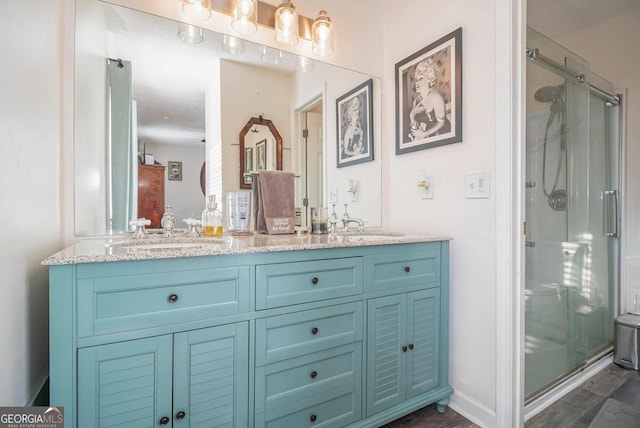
(311, 151)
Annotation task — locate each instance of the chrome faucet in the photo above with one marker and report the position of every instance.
(346, 220)
(140, 223)
(168, 222)
(332, 220)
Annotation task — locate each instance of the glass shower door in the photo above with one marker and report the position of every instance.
(571, 173)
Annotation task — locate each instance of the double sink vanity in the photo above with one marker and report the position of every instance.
(257, 331)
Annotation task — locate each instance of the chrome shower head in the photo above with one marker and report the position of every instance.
(548, 94)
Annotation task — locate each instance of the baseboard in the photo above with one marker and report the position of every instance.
(40, 396)
(473, 410)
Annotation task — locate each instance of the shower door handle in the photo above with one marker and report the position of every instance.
(610, 213)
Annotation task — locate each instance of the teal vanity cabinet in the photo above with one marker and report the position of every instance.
(151, 342)
(352, 336)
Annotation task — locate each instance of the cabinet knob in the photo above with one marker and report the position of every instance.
(314, 280)
(313, 418)
(180, 415)
(411, 346)
(314, 330)
(173, 298)
(314, 374)
(404, 349)
(164, 420)
(407, 269)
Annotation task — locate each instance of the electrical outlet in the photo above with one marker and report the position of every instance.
(333, 196)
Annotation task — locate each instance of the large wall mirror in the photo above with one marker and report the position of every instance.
(143, 95)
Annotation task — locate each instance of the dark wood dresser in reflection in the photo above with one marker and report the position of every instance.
(151, 193)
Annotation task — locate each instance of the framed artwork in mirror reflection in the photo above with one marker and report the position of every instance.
(174, 170)
(354, 112)
(248, 164)
(429, 96)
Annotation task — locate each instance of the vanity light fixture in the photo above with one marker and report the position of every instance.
(352, 188)
(322, 35)
(232, 45)
(286, 24)
(284, 19)
(190, 33)
(244, 17)
(200, 10)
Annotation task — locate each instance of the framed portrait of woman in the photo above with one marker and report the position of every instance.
(429, 96)
(354, 112)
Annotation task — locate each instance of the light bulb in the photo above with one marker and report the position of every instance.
(322, 35)
(245, 16)
(286, 24)
(244, 8)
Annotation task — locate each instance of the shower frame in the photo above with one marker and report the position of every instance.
(610, 215)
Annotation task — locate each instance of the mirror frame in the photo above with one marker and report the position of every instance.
(259, 121)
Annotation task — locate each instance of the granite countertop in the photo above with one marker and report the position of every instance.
(112, 249)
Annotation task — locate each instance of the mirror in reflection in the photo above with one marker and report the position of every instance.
(260, 148)
(182, 95)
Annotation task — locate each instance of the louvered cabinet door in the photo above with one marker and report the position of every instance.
(423, 338)
(211, 387)
(386, 362)
(125, 384)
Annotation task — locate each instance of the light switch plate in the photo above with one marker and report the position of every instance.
(333, 196)
(477, 186)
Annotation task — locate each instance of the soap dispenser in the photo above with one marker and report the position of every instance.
(211, 218)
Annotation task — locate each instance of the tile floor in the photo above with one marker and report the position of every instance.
(609, 399)
(579, 408)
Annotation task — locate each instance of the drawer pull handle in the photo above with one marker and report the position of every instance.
(314, 330)
(407, 269)
(173, 298)
(315, 280)
(404, 349)
(314, 374)
(411, 346)
(164, 420)
(180, 415)
(313, 418)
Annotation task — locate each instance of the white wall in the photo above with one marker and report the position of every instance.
(31, 212)
(611, 47)
(410, 25)
(394, 31)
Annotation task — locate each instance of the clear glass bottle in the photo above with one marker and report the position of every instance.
(211, 218)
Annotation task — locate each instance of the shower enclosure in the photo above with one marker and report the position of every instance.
(572, 221)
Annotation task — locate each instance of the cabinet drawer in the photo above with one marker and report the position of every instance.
(393, 271)
(291, 335)
(123, 303)
(330, 413)
(291, 283)
(298, 381)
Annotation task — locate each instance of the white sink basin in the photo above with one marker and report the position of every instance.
(132, 247)
(372, 237)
